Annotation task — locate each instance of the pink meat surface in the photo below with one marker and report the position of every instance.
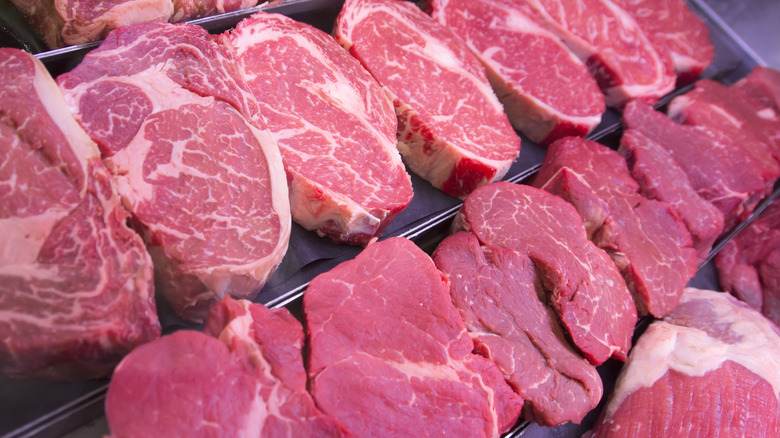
(452, 130)
(76, 290)
(545, 104)
(334, 124)
(581, 281)
(390, 355)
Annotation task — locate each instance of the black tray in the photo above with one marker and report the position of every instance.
(42, 408)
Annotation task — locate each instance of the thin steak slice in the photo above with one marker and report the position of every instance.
(671, 26)
(169, 109)
(720, 171)
(495, 290)
(747, 264)
(390, 355)
(618, 53)
(710, 368)
(582, 283)
(452, 130)
(76, 290)
(645, 238)
(661, 178)
(335, 127)
(250, 384)
(545, 104)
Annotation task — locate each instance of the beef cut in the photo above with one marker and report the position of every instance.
(581, 281)
(613, 46)
(710, 368)
(748, 264)
(672, 27)
(661, 178)
(170, 111)
(645, 238)
(190, 9)
(762, 85)
(250, 384)
(720, 171)
(334, 124)
(76, 290)
(495, 289)
(545, 104)
(452, 130)
(390, 356)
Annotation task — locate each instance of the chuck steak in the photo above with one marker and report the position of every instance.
(672, 27)
(710, 368)
(545, 104)
(611, 43)
(335, 127)
(452, 130)
(169, 109)
(661, 178)
(390, 356)
(720, 171)
(250, 384)
(495, 290)
(748, 263)
(76, 290)
(645, 238)
(583, 284)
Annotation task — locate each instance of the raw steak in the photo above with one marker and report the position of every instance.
(251, 384)
(610, 42)
(76, 291)
(583, 285)
(762, 85)
(334, 125)
(390, 355)
(645, 238)
(672, 27)
(452, 130)
(66, 22)
(710, 368)
(720, 171)
(748, 263)
(660, 178)
(169, 109)
(545, 104)
(733, 113)
(495, 290)
(189, 9)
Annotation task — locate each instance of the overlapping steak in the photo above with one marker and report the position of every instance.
(76, 291)
(335, 127)
(250, 384)
(661, 178)
(582, 283)
(452, 130)
(671, 26)
(545, 104)
(169, 109)
(390, 355)
(709, 368)
(720, 171)
(613, 46)
(495, 290)
(763, 86)
(749, 264)
(645, 238)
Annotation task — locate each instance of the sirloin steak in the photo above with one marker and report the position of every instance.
(495, 290)
(390, 355)
(76, 291)
(169, 109)
(452, 130)
(545, 104)
(583, 284)
(710, 368)
(335, 127)
(251, 384)
(645, 238)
